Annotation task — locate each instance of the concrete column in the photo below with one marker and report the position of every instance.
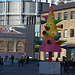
(42, 55)
(55, 55)
(14, 45)
(24, 47)
(20, 12)
(5, 45)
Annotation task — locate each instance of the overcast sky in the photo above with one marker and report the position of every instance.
(9, 0)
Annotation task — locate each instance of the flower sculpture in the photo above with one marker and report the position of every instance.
(51, 42)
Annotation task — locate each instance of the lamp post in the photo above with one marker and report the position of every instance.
(36, 10)
(5, 10)
(20, 12)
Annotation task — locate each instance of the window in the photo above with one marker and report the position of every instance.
(59, 16)
(52, 54)
(65, 33)
(37, 31)
(41, 7)
(23, 6)
(47, 1)
(47, 55)
(31, 20)
(37, 55)
(72, 14)
(65, 16)
(71, 32)
(52, 1)
(23, 19)
(59, 32)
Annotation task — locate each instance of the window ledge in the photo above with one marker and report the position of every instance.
(71, 37)
(71, 19)
(64, 38)
(59, 57)
(65, 20)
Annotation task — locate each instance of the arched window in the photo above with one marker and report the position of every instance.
(71, 32)
(20, 47)
(1, 46)
(10, 46)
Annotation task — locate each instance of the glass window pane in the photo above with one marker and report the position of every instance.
(36, 34)
(65, 33)
(71, 32)
(65, 16)
(59, 16)
(72, 14)
(37, 31)
(37, 28)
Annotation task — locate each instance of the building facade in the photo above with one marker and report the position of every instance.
(16, 13)
(66, 12)
(12, 41)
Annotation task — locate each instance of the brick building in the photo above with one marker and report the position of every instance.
(66, 12)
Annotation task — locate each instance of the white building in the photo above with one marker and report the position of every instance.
(56, 1)
(45, 1)
(65, 1)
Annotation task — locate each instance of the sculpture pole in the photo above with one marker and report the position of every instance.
(50, 56)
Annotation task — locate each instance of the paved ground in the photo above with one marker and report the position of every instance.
(31, 69)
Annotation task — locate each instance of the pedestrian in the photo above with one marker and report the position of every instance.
(12, 58)
(22, 61)
(27, 60)
(1, 62)
(57, 59)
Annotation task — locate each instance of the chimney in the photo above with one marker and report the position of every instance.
(61, 2)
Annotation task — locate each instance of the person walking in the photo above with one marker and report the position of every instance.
(27, 60)
(12, 58)
(57, 59)
(1, 63)
(22, 61)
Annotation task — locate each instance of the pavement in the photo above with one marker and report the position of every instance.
(30, 69)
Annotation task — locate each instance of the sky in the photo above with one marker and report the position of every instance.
(49, 1)
(9, 0)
